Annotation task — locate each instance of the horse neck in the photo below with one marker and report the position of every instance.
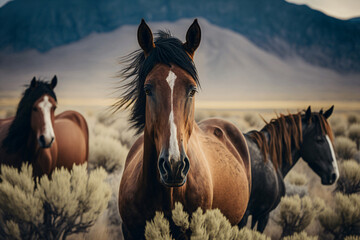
(286, 166)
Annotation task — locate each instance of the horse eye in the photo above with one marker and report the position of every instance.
(192, 92)
(147, 91)
(319, 139)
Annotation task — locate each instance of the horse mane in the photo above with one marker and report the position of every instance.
(282, 132)
(168, 50)
(20, 127)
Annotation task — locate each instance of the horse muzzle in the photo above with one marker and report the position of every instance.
(329, 179)
(173, 172)
(43, 143)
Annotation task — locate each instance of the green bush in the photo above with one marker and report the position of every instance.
(296, 213)
(209, 225)
(349, 180)
(345, 148)
(344, 219)
(68, 203)
(354, 133)
(300, 236)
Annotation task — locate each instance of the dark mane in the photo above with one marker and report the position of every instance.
(282, 132)
(20, 128)
(168, 50)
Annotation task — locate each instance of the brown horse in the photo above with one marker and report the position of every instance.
(37, 136)
(203, 165)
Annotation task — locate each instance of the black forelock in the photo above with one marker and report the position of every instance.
(168, 50)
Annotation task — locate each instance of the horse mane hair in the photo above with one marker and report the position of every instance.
(282, 132)
(20, 127)
(168, 50)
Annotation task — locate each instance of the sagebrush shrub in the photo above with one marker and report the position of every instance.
(296, 213)
(69, 202)
(353, 118)
(353, 237)
(344, 218)
(292, 189)
(211, 224)
(158, 228)
(300, 236)
(349, 180)
(296, 178)
(253, 120)
(107, 152)
(345, 148)
(354, 134)
(338, 125)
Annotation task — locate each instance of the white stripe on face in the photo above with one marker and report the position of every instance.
(334, 163)
(174, 151)
(45, 106)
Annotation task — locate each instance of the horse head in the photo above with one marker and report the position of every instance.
(317, 147)
(42, 113)
(169, 89)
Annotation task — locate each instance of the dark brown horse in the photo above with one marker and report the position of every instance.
(277, 148)
(37, 136)
(203, 165)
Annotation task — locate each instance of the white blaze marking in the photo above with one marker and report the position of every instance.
(334, 163)
(174, 151)
(45, 107)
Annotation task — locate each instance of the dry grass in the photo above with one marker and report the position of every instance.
(354, 133)
(345, 148)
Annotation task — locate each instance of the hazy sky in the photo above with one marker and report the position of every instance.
(337, 8)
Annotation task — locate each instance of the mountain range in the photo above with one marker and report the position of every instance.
(280, 28)
(230, 67)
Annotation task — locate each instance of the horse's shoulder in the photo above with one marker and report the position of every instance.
(227, 132)
(220, 128)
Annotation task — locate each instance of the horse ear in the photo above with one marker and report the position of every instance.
(53, 82)
(33, 83)
(145, 38)
(328, 113)
(308, 113)
(193, 37)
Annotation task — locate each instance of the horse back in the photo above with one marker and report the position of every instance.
(72, 136)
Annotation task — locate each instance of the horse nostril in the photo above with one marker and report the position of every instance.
(185, 166)
(333, 177)
(42, 140)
